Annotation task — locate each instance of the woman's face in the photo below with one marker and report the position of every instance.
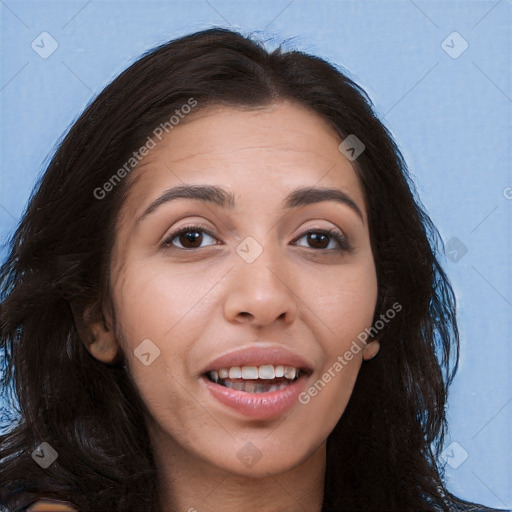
(253, 276)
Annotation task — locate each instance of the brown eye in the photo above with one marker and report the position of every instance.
(191, 237)
(328, 240)
(318, 241)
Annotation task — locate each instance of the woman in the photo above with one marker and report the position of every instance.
(224, 295)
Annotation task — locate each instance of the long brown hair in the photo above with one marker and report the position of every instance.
(382, 454)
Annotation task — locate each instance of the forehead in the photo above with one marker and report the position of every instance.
(267, 150)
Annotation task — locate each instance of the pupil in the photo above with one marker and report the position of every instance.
(189, 238)
(318, 240)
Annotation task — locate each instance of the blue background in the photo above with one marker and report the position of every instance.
(450, 116)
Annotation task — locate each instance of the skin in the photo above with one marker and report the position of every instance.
(196, 304)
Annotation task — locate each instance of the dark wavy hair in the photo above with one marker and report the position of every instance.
(383, 453)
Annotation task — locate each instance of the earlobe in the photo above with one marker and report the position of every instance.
(103, 345)
(371, 350)
(97, 334)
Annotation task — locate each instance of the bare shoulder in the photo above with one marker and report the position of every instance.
(49, 505)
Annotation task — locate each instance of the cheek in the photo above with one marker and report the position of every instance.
(157, 323)
(152, 302)
(345, 308)
(169, 312)
(345, 302)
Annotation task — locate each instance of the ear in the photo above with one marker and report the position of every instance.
(97, 333)
(371, 350)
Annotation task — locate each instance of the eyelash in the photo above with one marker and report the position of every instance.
(338, 237)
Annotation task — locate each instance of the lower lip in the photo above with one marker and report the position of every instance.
(261, 406)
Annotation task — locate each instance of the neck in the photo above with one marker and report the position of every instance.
(187, 483)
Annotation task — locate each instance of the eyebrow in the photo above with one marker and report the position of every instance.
(220, 197)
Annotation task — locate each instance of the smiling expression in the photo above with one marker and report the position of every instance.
(244, 229)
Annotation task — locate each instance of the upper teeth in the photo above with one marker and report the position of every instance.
(266, 372)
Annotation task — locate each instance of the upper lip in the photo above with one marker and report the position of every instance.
(259, 356)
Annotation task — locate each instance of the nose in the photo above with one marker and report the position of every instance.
(261, 292)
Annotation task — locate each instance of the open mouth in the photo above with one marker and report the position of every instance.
(256, 379)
